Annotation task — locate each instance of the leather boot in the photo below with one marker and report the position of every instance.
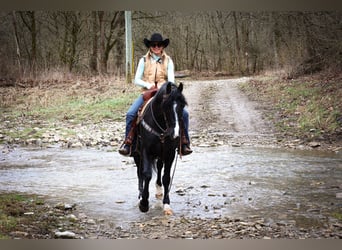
(186, 150)
(185, 145)
(126, 147)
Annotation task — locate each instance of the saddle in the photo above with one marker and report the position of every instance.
(147, 96)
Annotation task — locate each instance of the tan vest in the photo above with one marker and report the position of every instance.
(155, 72)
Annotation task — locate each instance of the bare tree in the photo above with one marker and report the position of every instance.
(29, 20)
(93, 57)
(16, 39)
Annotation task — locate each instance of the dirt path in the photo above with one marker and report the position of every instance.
(221, 113)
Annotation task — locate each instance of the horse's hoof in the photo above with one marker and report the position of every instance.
(159, 192)
(167, 210)
(159, 196)
(143, 208)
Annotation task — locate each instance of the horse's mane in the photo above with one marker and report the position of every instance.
(175, 95)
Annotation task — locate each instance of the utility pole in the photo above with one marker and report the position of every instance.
(129, 57)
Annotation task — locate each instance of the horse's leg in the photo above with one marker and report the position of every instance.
(137, 161)
(159, 190)
(147, 176)
(166, 184)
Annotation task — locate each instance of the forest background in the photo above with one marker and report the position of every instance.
(55, 43)
(69, 66)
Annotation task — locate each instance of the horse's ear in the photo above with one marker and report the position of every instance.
(180, 87)
(168, 88)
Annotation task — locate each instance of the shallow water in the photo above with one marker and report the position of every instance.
(276, 184)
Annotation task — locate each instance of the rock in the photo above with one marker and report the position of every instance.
(339, 195)
(19, 234)
(56, 138)
(65, 235)
(314, 144)
(63, 206)
(76, 144)
(29, 213)
(59, 206)
(180, 191)
(91, 222)
(258, 226)
(72, 217)
(68, 206)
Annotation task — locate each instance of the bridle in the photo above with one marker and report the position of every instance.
(164, 132)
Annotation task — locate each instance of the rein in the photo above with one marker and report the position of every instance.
(155, 121)
(146, 126)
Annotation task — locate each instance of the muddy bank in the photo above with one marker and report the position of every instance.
(39, 220)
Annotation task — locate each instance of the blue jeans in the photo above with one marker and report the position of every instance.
(133, 112)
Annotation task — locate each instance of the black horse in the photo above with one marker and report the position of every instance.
(158, 138)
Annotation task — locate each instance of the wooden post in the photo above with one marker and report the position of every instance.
(129, 57)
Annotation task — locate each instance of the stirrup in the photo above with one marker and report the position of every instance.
(186, 150)
(125, 150)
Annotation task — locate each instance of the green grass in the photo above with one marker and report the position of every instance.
(13, 207)
(30, 119)
(82, 109)
(337, 216)
(9, 210)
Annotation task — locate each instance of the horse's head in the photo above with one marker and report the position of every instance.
(172, 102)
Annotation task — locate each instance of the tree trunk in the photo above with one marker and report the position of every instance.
(63, 51)
(237, 42)
(103, 62)
(274, 40)
(16, 39)
(93, 57)
(73, 45)
(31, 26)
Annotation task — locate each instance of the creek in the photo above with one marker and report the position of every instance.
(276, 184)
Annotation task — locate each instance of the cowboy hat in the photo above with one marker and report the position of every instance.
(156, 38)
